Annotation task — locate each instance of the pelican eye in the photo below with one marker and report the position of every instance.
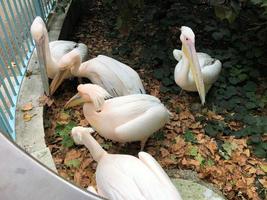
(186, 38)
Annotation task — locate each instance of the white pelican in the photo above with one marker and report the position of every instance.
(50, 53)
(115, 77)
(123, 119)
(194, 71)
(125, 177)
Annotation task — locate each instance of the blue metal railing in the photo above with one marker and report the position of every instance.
(16, 48)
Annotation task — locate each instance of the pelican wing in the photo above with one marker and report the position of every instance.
(154, 166)
(144, 124)
(117, 78)
(177, 54)
(143, 101)
(124, 177)
(61, 47)
(210, 67)
(128, 107)
(125, 73)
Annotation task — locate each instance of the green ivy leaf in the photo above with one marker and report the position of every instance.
(217, 35)
(227, 149)
(210, 162)
(190, 137)
(250, 86)
(263, 168)
(242, 77)
(75, 163)
(159, 135)
(159, 73)
(259, 151)
(230, 91)
(250, 105)
(67, 142)
(167, 81)
(223, 12)
(210, 130)
(193, 151)
(64, 132)
(106, 145)
(200, 159)
(256, 139)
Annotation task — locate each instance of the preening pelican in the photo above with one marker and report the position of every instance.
(194, 71)
(115, 77)
(123, 119)
(121, 177)
(50, 53)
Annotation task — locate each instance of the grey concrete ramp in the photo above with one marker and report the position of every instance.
(24, 178)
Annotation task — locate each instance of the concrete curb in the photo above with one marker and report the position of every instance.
(30, 135)
(191, 190)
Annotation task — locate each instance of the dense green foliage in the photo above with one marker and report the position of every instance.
(223, 9)
(230, 9)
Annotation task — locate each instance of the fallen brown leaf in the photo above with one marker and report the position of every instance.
(27, 116)
(264, 167)
(71, 155)
(27, 106)
(263, 182)
(212, 115)
(86, 162)
(211, 145)
(45, 100)
(78, 177)
(83, 122)
(168, 161)
(63, 118)
(164, 152)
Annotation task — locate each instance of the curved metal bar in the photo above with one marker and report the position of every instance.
(24, 178)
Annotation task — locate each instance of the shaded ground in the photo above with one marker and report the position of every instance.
(225, 161)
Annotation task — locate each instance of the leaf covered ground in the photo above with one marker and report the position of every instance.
(197, 138)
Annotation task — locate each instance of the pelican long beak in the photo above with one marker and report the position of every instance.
(58, 79)
(190, 52)
(40, 47)
(74, 101)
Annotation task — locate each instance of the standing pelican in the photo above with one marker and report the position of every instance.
(194, 71)
(125, 177)
(50, 53)
(115, 77)
(123, 119)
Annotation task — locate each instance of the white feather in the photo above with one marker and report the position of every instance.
(61, 47)
(117, 78)
(121, 177)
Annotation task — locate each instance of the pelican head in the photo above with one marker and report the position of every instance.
(89, 93)
(40, 36)
(38, 30)
(187, 38)
(68, 65)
